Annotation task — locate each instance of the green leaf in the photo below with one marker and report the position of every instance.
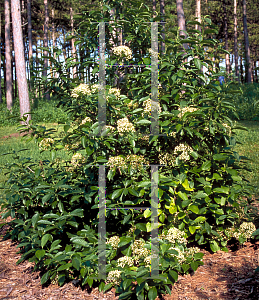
(174, 275)
(45, 277)
(116, 193)
(77, 213)
(192, 229)
(46, 237)
(133, 192)
(222, 189)
(40, 253)
(124, 241)
(147, 213)
(107, 287)
(80, 242)
(194, 265)
(76, 263)
(197, 63)
(206, 165)
(214, 246)
(183, 195)
(90, 281)
(199, 219)
(65, 267)
(125, 295)
(101, 286)
(126, 283)
(152, 293)
(144, 122)
(194, 209)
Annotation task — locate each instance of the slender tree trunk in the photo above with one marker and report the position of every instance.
(19, 59)
(8, 57)
(226, 37)
(30, 41)
(198, 14)
(154, 8)
(73, 42)
(46, 25)
(247, 49)
(181, 20)
(256, 74)
(162, 12)
(241, 69)
(1, 99)
(235, 40)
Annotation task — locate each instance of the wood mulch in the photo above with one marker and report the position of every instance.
(223, 276)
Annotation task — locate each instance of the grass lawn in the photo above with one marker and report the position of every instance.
(14, 143)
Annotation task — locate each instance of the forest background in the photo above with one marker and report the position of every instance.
(51, 24)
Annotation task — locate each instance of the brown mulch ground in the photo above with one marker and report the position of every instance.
(223, 276)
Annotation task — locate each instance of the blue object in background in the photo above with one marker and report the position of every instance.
(221, 79)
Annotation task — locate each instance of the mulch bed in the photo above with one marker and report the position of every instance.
(223, 276)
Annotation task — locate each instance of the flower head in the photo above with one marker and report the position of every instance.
(125, 260)
(122, 52)
(123, 125)
(87, 119)
(185, 110)
(114, 91)
(175, 235)
(114, 277)
(77, 159)
(116, 162)
(46, 144)
(81, 90)
(114, 241)
(150, 105)
(184, 151)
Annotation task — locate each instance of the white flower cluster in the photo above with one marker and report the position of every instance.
(123, 125)
(181, 257)
(150, 105)
(114, 91)
(192, 250)
(122, 51)
(144, 140)
(114, 241)
(153, 53)
(116, 162)
(46, 144)
(185, 149)
(125, 260)
(109, 127)
(94, 88)
(136, 160)
(81, 90)
(114, 277)
(174, 235)
(77, 159)
(185, 110)
(167, 159)
(173, 133)
(245, 230)
(72, 147)
(87, 119)
(138, 250)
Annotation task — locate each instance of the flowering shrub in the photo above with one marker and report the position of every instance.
(199, 182)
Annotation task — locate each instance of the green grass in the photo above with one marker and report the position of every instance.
(17, 143)
(250, 149)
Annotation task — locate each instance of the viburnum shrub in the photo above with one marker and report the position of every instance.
(55, 203)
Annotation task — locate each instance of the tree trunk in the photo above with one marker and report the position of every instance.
(8, 58)
(226, 37)
(46, 24)
(162, 12)
(154, 8)
(30, 40)
(73, 42)
(235, 41)
(247, 49)
(181, 20)
(256, 75)
(19, 59)
(198, 14)
(241, 69)
(1, 99)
